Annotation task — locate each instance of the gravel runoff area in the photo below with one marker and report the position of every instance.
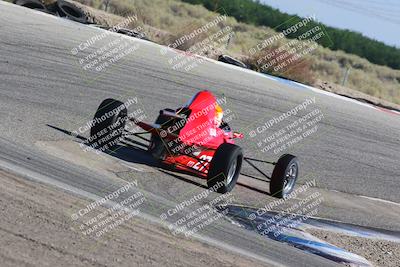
(36, 230)
(378, 252)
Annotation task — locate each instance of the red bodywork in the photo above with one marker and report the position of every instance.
(192, 142)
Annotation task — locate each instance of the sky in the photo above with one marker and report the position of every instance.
(377, 19)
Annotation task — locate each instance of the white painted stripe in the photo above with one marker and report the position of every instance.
(380, 200)
(132, 167)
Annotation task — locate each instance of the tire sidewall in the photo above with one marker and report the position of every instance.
(64, 7)
(105, 107)
(281, 169)
(157, 147)
(220, 164)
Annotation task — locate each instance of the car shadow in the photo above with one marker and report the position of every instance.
(133, 151)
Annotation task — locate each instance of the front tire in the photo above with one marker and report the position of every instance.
(284, 176)
(225, 168)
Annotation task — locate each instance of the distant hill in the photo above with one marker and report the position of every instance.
(253, 12)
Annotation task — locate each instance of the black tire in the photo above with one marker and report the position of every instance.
(230, 60)
(33, 4)
(55, 10)
(284, 176)
(107, 128)
(132, 33)
(223, 172)
(72, 11)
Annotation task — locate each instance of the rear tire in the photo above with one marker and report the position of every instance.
(108, 124)
(157, 146)
(284, 176)
(225, 168)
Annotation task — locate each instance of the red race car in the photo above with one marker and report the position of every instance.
(193, 139)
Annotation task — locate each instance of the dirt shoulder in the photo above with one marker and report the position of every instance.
(354, 94)
(378, 252)
(37, 230)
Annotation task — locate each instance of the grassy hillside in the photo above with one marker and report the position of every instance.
(253, 12)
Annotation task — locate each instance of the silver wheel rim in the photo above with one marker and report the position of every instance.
(231, 172)
(290, 177)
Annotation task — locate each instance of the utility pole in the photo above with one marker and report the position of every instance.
(346, 76)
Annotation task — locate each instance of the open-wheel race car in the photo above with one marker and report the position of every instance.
(193, 139)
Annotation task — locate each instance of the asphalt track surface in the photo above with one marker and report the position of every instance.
(355, 149)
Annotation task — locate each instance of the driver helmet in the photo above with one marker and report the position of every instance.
(219, 113)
